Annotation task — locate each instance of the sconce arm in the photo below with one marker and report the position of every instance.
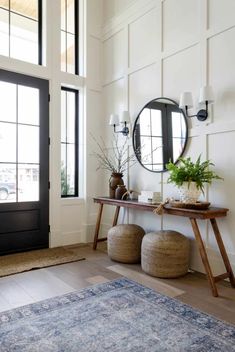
(124, 130)
(201, 115)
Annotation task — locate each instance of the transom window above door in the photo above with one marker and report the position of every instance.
(69, 36)
(20, 30)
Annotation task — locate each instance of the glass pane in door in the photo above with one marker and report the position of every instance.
(28, 105)
(7, 142)
(7, 183)
(19, 143)
(8, 102)
(28, 182)
(28, 144)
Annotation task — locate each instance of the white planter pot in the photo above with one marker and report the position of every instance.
(189, 193)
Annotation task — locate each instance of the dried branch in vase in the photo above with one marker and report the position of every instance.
(115, 158)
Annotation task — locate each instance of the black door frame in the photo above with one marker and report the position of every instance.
(38, 212)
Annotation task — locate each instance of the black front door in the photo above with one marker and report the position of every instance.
(24, 162)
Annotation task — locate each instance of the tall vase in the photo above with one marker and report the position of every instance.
(114, 181)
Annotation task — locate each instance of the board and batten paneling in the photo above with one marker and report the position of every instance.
(113, 57)
(180, 24)
(145, 30)
(221, 14)
(220, 149)
(144, 85)
(181, 72)
(221, 58)
(168, 47)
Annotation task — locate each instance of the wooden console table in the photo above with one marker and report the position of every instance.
(211, 214)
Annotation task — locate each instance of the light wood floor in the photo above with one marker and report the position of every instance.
(21, 289)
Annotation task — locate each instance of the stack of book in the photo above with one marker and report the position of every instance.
(150, 197)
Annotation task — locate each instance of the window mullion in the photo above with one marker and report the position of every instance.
(40, 24)
(71, 146)
(66, 141)
(9, 37)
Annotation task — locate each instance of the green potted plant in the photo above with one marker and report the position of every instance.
(191, 177)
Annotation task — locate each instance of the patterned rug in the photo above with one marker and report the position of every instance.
(118, 316)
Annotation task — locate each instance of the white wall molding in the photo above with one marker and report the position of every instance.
(136, 9)
(188, 52)
(167, 54)
(113, 80)
(54, 238)
(90, 231)
(217, 127)
(95, 36)
(70, 202)
(72, 81)
(95, 89)
(156, 60)
(138, 67)
(22, 67)
(67, 238)
(214, 32)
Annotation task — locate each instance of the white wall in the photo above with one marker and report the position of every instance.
(156, 48)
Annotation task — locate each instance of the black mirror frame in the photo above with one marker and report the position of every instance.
(186, 137)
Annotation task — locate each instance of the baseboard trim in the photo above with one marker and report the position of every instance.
(58, 238)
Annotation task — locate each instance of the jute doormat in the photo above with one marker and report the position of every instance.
(19, 262)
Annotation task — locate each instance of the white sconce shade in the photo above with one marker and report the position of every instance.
(206, 94)
(186, 99)
(114, 120)
(205, 97)
(125, 117)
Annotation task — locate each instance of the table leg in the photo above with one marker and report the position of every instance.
(115, 219)
(97, 227)
(204, 257)
(223, 251)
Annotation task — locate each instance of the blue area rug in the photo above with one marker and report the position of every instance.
(117, 316)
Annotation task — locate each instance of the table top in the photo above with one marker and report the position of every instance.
(210, 213)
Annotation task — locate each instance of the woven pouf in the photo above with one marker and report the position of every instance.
(165, 254)
(124, 243)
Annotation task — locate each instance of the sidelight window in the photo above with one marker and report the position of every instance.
(69, 142)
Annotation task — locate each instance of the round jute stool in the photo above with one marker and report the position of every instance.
(165, 254)
(124, 243)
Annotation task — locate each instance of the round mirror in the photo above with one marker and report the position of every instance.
(160, 134)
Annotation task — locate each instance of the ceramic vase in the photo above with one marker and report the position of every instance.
(189, 193)
(114, 181)
(120, 191)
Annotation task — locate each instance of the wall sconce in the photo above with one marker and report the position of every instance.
(124, 119)
(205, 97)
